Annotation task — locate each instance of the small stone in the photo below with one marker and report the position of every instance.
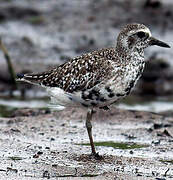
(46, 174)
(35, 156)
(157, 126)
(52, 139)
(39, 152)
(54, 165)
(131, 152)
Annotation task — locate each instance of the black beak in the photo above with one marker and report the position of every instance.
(157, 42)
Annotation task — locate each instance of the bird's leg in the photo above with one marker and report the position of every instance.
(89, 129)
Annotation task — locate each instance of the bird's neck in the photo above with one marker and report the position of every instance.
(135, 55)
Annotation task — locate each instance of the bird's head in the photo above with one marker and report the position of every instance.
(137, 36)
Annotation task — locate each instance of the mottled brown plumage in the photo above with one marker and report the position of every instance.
(79, 73)
(99, 78)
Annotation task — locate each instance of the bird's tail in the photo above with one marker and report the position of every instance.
(33, 78)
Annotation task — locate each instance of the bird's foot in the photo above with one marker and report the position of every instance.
(96, 156)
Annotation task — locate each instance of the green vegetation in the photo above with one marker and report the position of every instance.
(117, 145)
(36, 20)
(6, 111)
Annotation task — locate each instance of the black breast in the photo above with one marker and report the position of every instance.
(130, 86)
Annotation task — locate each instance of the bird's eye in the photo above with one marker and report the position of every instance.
(141, 34)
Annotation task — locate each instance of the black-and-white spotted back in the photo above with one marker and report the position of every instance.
(99, 78)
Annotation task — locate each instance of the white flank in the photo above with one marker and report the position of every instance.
(61, 99)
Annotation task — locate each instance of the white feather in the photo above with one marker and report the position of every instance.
(61, 98)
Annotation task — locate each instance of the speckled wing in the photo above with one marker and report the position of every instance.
(80, 73)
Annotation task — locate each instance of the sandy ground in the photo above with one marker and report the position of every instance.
(37, 144)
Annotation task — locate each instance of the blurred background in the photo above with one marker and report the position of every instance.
(42, 34)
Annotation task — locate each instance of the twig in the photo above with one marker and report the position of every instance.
(10, 66)
(166, 172)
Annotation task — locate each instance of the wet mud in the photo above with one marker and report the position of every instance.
(133, 145)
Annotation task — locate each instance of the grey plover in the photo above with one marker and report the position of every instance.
(99, 78)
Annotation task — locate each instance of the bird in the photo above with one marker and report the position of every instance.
(99, 78)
